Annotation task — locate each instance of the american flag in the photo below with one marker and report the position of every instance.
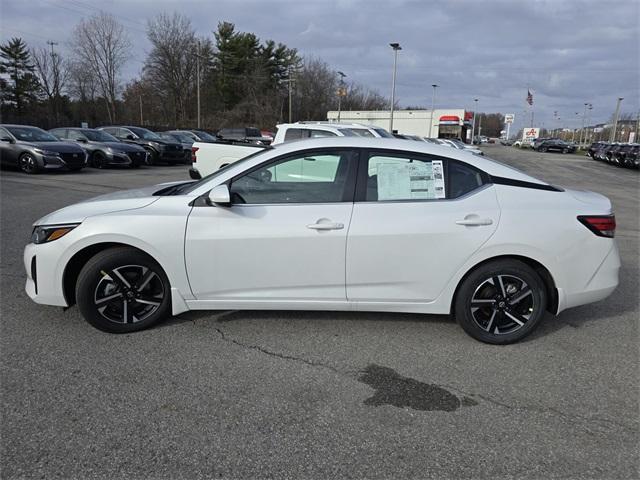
(529, 97)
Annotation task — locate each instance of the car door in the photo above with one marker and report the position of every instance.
(416, 220)
(283, 237)
(8, 148)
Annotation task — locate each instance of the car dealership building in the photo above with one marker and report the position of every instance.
(444, 123)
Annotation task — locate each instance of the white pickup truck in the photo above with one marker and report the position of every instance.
(206, 158)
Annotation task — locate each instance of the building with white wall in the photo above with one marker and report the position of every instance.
(445, 123)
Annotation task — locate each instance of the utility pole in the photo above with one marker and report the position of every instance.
(395, 46)
(141, 122)
(433, 102)
(473, 121)
(612, 135)
(197, 84)
(584, 116)
(340, 93)
(56, 79)
(290, 81)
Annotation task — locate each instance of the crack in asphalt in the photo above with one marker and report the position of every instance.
(467, 398)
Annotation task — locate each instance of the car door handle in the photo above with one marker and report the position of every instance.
(326, 226)
(474, 222)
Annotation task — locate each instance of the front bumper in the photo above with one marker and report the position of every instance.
(194, 173)
(58, 162)
(43, 285)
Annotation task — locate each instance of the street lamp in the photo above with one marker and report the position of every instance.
(473, 121)
(612, 136)
(395, 47)
(340, 93)
(433, 102)
(584, 116)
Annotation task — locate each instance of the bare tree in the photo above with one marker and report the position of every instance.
(53, 73)
(171, 65)
(101, 44)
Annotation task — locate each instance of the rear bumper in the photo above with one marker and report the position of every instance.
(602, 283)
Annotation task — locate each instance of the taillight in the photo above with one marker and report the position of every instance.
(193, 154)
(601, 225)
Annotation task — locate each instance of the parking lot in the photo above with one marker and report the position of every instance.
(317, 394)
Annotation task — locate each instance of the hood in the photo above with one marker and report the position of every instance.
(60, 147)
(108, 203)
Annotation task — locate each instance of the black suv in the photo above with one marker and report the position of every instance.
(595, 146)
(158, 150)
(555, 145)
(34, 150)
(102, 148)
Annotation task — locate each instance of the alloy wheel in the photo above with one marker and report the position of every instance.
(28, 163)
(502, 304)
(128, 294)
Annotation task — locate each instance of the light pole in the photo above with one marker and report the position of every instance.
(396, 47)
(340, 92)
(473, 122)
(584, 116)
(198, 57)
(587, 134)
(433, 103)
(612, 136)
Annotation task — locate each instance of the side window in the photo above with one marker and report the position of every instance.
(73, 135)
(321, 134)
(398, 177)
(59, 133)
(111, 131)
(314, 177)
(462, 179)
(4, 133)
(295, 134)
(124, 133)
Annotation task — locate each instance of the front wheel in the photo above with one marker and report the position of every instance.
(28, 163)
(122, 290)
(501, 302)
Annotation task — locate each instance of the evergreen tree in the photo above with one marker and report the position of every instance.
(22, 87)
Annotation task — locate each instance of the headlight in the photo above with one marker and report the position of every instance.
(46, 152)
(49, 233)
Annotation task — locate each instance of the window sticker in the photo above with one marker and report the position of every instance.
(410, 180)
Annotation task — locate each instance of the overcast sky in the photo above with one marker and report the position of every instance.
(567, 52)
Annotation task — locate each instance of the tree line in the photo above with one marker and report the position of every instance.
(244, 81)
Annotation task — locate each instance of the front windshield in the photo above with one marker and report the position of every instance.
(182, 138)
(205, 136)
(144, 133)
(99, 136)
(190, 187)
(31, 134)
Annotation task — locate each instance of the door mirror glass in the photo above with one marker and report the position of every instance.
(130, 137)
(220, 196)
(7, 139)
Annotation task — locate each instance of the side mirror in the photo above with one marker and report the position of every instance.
(7, 139)
(130, 137)
(220, 196)
(82, 140)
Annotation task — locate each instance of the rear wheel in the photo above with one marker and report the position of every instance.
(122, 290)
(28, 163)
(97, 160)
(501, 302)
(152, 157)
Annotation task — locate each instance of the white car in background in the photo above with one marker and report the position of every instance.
(333, 224)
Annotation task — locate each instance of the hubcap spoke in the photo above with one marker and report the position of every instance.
(146, 301)
(493, 316)
(519, 319)
(520, 296)
(497, 281)
(148, 276)
(108, 299)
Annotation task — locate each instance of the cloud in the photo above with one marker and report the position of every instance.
(568, 52)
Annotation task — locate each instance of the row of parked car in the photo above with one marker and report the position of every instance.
(33, 149)
(618, 154)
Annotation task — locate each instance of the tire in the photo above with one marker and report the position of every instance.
(123, 283)
(97, 160)
(565, 150)
(28, 163)
(501, 314)
(152, 158)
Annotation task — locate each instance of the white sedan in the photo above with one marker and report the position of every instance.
(333, 224)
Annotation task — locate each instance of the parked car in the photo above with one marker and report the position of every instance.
(249, 135)
(555, 145)
(462, 146)
(538, 141)
(601, 152)
(303, 130)
(184, 140)
(158, 150)
(103, 149)
(196, 135)
(595, 146)
(631, 156)
(333, 224)
(34, 150)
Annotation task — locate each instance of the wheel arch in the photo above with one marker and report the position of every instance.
(80, 258)
(539, 268)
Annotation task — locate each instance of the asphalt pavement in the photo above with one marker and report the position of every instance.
(316, 394)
